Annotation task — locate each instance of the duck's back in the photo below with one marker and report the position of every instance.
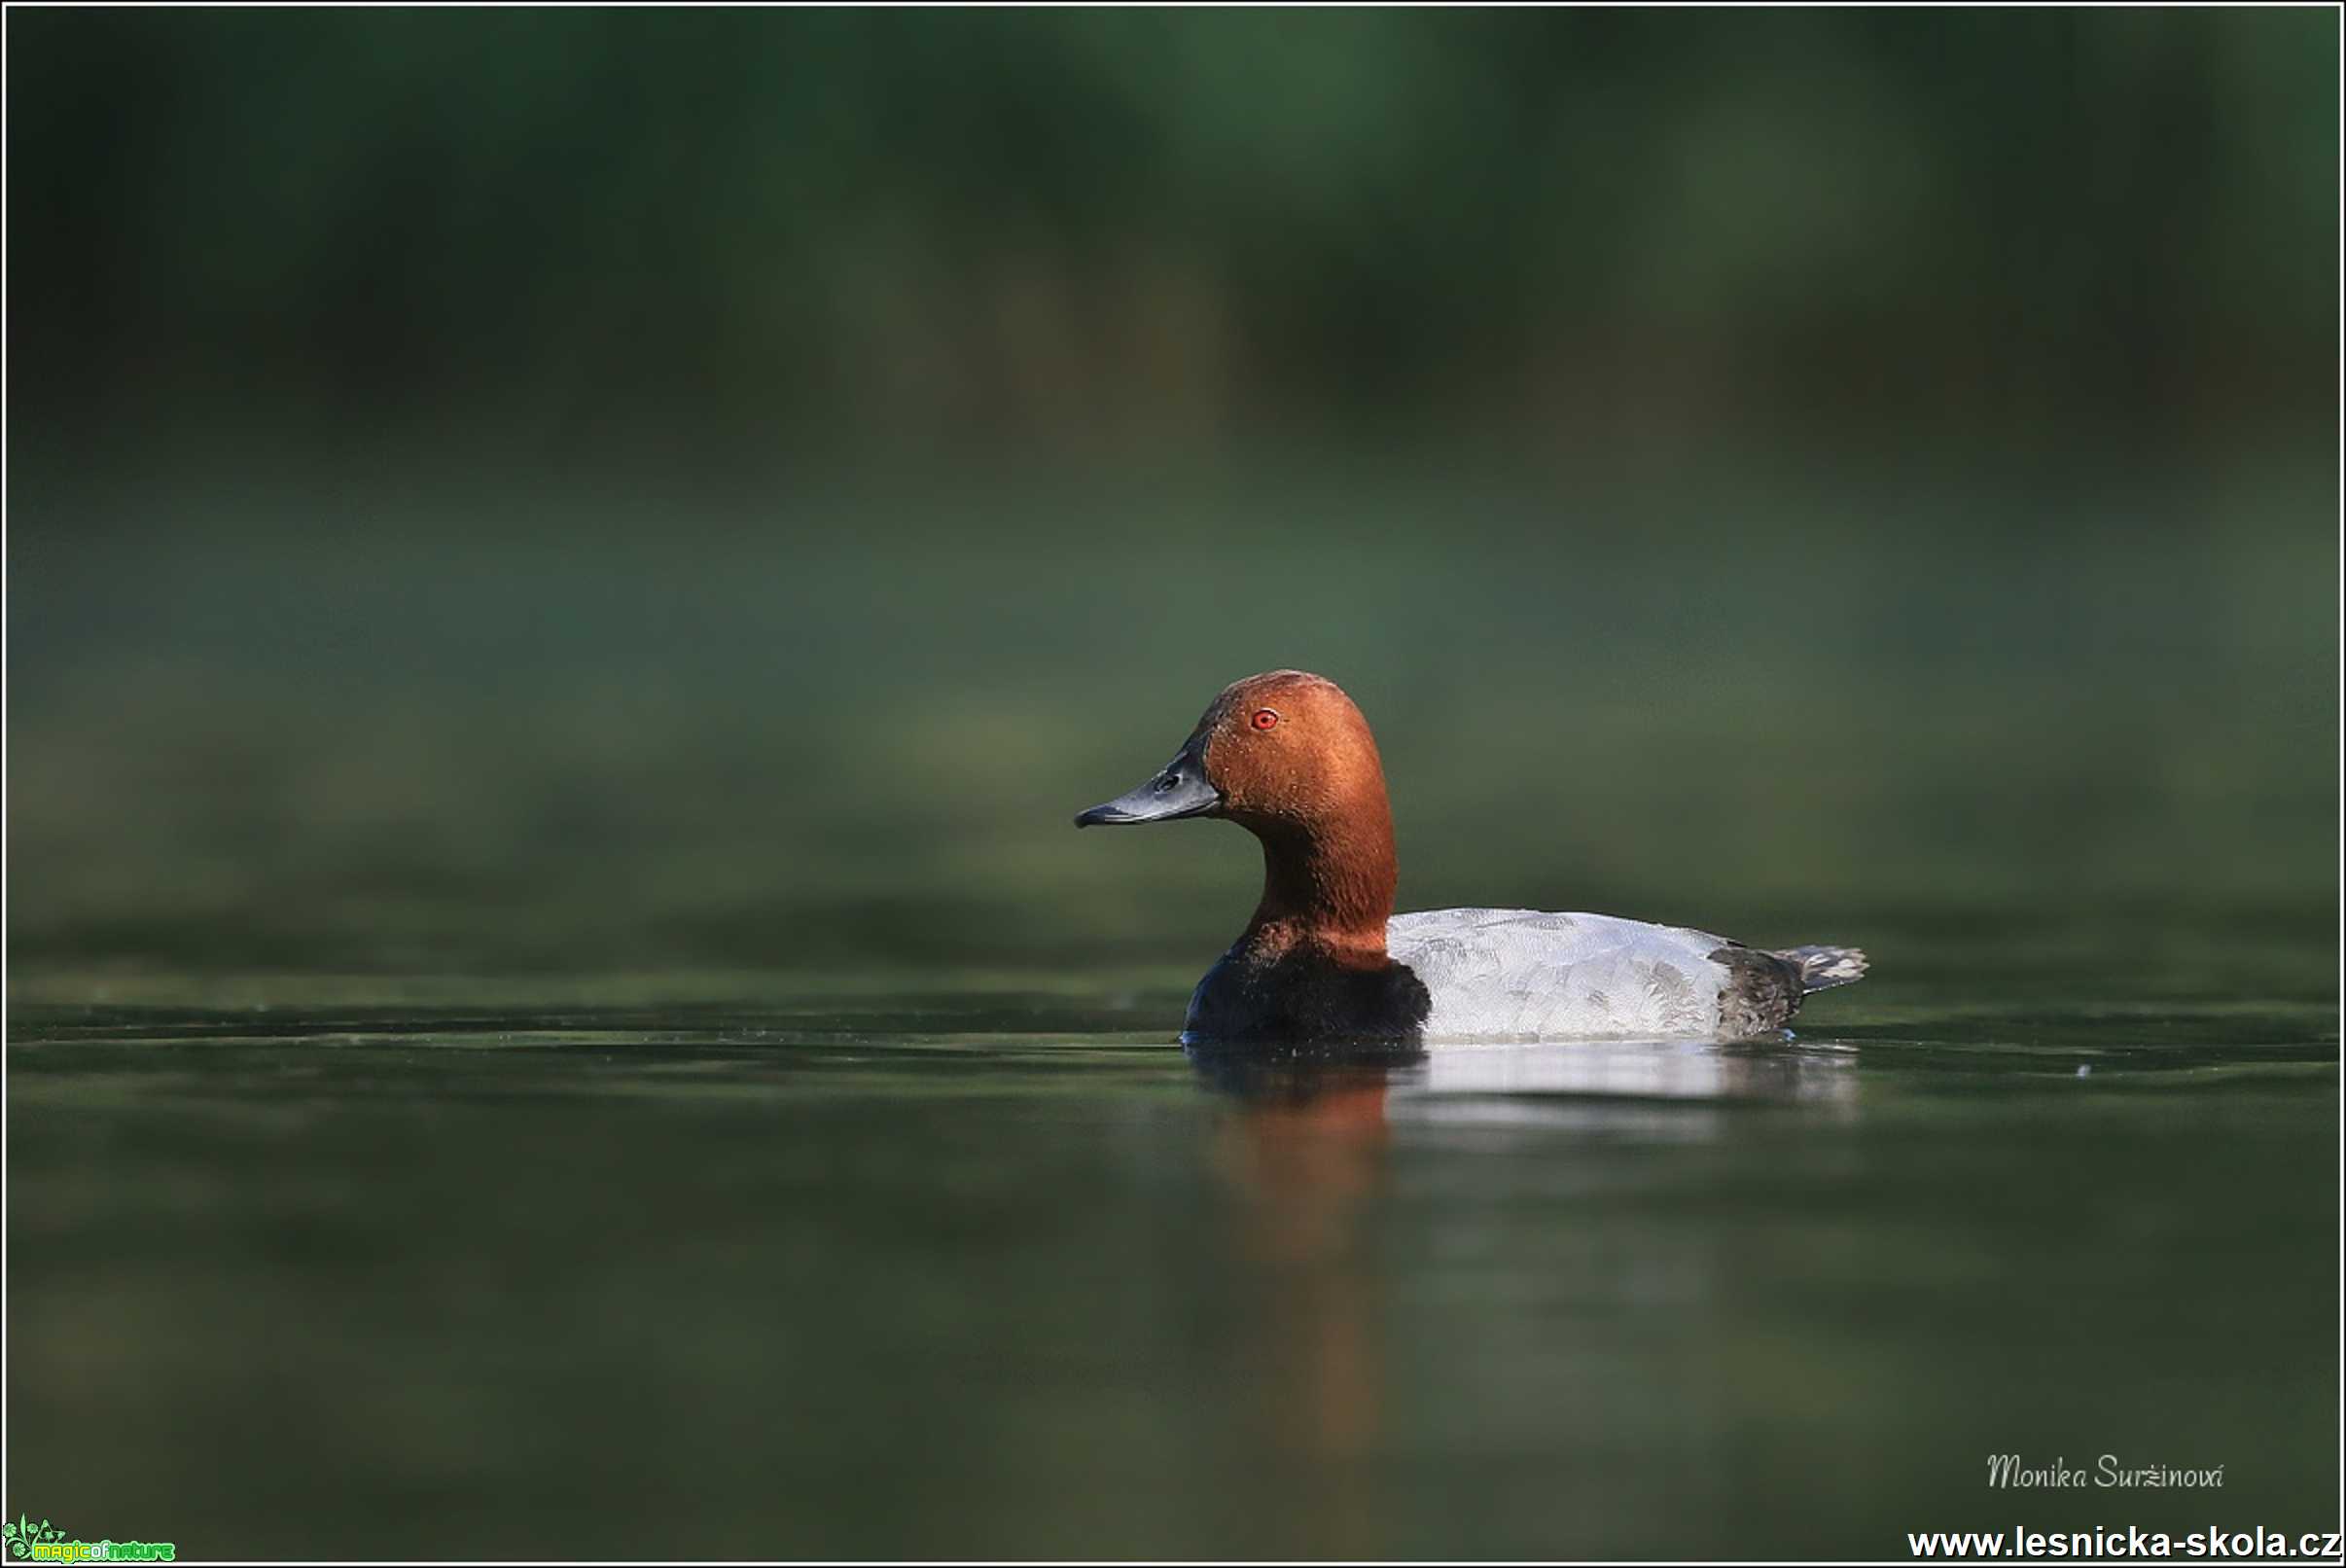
(1526, 974)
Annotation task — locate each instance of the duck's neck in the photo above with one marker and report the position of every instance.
(1327, 884)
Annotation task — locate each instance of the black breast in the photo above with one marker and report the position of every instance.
(1304, 995)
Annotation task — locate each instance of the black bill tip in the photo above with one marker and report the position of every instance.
(1179, 791)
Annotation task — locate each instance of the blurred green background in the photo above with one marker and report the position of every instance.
(578, 493)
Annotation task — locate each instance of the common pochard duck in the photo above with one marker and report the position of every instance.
(1287, 755)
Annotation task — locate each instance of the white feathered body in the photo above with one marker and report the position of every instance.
(1528, 975)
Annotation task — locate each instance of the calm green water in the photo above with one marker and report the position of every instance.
(546, 1030)
(1000, 1273)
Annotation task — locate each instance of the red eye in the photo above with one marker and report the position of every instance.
(1264, 719)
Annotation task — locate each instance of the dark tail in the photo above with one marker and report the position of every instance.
(1822, 968)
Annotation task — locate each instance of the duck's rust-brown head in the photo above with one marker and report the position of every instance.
(1287, 755)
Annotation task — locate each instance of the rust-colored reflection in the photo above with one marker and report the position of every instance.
(1302, 1154)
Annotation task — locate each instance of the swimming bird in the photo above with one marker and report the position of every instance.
(1287, 755)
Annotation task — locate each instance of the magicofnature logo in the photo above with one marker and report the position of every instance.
(44, 1542)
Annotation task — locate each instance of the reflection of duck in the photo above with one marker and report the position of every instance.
(1643, 1070)
(1298, 1079)
(1288, 757)
(1327, 1087)
(1302, 1154)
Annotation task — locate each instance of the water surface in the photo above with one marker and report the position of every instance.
(1000, 1273)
